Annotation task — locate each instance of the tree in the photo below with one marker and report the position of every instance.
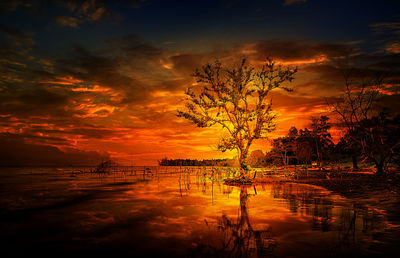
(322, 139)
(357, 103)
(304, 149)
(285, 147)
(371, 134)
(256, 158)
(380, 139)
(238, 100)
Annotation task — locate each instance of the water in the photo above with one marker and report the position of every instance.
(174, 212)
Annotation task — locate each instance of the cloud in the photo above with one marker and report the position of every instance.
(30, 102)
(67, 21)
(123, 97)
(18, 36)
(386, 27)
(138, 3)
(83, 11)
(71, 13)
(391, 32)
(393, 47)
(12, 5)
(296, 49)
(291, 2)
(16, 152)
(89, 98)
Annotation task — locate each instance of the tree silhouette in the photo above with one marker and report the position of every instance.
(304, 149)
(357, 103)
(322, 139)
(284, 147)
(238, 100)
(380, 139)
(240, 239)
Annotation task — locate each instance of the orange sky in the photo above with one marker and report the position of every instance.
(130, 114)
(78, 85)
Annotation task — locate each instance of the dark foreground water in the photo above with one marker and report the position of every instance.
(173, 212)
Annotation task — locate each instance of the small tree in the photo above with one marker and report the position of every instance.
(238, 100)
(256, 158)
(304, 146)
(322, 139)
(284, 147)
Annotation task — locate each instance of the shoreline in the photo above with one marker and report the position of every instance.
(382, 193)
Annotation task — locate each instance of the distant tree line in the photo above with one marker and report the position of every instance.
(195, 162)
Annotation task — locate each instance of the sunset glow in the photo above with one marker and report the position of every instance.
(116, 94)
(212, 128)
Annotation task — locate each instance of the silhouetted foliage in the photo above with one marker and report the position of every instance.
(322, 140)
(357, 103)
(238, 100)
(303, 146)
(256, 159)
(285, 147)
(379, 137)
(105, 167)
(194, 162)
(304, 149)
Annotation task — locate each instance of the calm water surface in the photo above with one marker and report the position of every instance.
(177, 212)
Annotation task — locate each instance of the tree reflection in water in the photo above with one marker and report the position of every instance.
(151, 213)
(238, 237)
(309, 202)
(344, 226)
(351, 223)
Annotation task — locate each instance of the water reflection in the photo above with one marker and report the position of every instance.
(345, 227)
(238, 237)
(179, 212)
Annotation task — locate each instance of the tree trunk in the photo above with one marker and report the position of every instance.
(243, 166)
(318, 154)
(354, 160)
(379, 170)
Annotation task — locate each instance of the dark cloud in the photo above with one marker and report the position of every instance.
(107, 71)
(15, 46)
(133, 47)
(138, 3)
(33, 102)
(18, 36)
(85, 11)
(362, 66)
(16, 152)
(21, 93)
(72, 13)
(390, 36)
(386, 27)
(187, 63)
(291, 2)
(299, 49)
(124, 94)
(67, 21)
(12, 5)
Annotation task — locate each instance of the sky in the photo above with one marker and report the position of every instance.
(83, 81)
